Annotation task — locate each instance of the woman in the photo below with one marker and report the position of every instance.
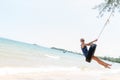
(85, 52)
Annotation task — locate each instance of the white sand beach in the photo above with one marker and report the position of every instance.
(61, 75)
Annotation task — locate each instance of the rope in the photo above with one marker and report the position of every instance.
(105, 25)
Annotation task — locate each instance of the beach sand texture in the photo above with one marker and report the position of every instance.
(59, 76)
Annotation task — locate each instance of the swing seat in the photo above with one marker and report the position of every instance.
(91, 52)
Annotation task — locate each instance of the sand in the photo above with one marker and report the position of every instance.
(60, 75)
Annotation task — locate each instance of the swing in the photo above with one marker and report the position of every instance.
(93, 46)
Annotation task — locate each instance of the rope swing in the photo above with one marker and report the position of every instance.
(107, 21)
(93, 46)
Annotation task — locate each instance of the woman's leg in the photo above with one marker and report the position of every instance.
(106, 65)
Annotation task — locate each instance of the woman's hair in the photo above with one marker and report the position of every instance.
(82, 40)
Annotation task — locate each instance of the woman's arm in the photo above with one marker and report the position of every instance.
(88, 44)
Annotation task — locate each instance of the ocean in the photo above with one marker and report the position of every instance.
(24, 61)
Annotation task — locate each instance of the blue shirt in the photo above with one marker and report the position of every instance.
(85, 51)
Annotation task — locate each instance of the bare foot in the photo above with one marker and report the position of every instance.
(107, 66)
(110, 64)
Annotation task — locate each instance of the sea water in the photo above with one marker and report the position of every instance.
(19, 54)
(19, 57)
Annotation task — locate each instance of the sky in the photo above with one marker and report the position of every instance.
(59, 23)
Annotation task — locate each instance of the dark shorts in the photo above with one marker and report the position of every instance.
(91, 52)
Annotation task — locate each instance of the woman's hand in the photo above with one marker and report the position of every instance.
(95, 40)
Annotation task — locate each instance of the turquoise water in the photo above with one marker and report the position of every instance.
(20, 54)
(19, 57)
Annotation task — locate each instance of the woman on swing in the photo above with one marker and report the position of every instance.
(85, 52)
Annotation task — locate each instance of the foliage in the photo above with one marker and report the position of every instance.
(108, 6)
(117, 60)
